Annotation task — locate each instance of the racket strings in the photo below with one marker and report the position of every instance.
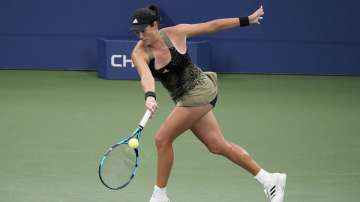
(118, 166)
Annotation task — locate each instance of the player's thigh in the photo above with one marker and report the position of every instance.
(179, 120)
(208, 131)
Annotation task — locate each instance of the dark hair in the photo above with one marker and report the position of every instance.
(143, 17)
(156, 11)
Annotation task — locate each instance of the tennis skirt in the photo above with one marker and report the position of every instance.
(205, 92)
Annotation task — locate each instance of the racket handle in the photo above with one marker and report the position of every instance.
(145, 118)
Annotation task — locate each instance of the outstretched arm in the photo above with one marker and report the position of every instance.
(146, 78)
(139, 59)
(220, 24)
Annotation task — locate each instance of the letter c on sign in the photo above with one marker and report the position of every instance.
(113, 61)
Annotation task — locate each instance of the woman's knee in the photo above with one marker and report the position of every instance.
(219, 147)
(216, 150)
(161, 140)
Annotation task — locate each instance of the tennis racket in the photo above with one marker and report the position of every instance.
(119, 164)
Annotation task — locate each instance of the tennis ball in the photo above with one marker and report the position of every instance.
(133, 143)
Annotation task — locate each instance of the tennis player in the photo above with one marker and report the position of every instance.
(162, 53)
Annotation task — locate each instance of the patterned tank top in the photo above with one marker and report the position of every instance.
(180, 75)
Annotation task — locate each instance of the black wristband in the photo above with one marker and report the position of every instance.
(244, 21)
(151, 94)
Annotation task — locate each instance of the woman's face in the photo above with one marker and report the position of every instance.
(149, 34)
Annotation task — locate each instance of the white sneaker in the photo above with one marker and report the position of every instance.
(159, 195)
(165, 199)
(275, 191)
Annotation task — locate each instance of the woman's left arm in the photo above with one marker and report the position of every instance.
(191, 30)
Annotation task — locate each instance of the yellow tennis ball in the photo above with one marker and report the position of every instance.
(133, 143)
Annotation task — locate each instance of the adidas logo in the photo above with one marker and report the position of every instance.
(273, 191)
(135, 21)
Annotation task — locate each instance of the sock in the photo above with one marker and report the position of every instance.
(159, 192)
(263, 177)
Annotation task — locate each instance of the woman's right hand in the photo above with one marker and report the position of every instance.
(151, 104)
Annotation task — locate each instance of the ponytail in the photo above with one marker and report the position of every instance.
(156, 11)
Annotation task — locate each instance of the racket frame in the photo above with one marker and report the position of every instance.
(136, 134)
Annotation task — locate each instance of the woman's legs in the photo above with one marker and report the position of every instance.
(178, 121)
(204, 125)
(208, 131)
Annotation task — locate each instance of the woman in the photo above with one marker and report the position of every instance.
(162, 53)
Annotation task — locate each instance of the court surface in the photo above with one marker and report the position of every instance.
(55, 125)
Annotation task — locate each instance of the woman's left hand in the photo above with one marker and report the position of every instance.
(256, 16)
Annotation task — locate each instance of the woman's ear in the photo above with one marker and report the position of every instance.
(156, 24)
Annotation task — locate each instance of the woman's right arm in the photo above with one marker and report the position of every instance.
(140, 61)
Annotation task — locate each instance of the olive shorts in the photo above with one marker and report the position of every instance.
(205, 92)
